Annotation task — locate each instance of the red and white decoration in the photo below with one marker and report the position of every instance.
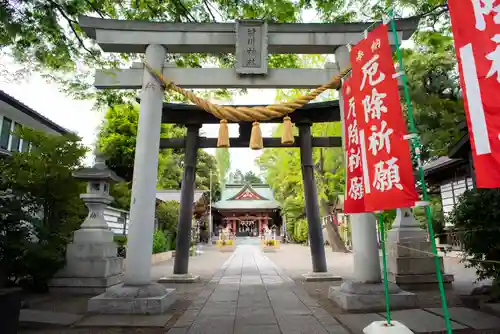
(355, 188)
(387, 171)
(476, 31)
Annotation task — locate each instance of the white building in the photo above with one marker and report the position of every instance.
(15, 114)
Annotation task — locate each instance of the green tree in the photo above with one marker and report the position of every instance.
(45, 35)
(117, 140)
(223, 163)
(435, 92)
(252, 178)
(476, 219)
(41, 185)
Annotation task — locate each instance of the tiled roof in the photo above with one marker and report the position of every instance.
(231, 190)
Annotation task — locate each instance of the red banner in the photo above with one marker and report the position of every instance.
(355, 190)
(388, 172)
(476, 31)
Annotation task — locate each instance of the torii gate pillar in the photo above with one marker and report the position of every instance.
(138, 294)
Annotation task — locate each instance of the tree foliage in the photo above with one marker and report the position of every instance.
(434, 87)
(223, 159)
(40, 207)
(252, 178)
(117, 140)
(45, 35)
(476, 219)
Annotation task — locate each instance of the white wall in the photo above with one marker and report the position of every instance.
(116, 218)
(450, 193)
(21, 118)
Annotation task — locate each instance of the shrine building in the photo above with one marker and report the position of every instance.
(247, 210)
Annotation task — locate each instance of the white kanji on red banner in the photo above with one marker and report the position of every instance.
(370, 70)
(380, 139)
(494, 56)
(385, 154)
(476, 35)
(483, 8)
(354, 159)
(373, 105)
(356, 189)
(353, 132)
(387, 175)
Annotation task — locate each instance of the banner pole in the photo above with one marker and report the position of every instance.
(384, 263)
(416, 147)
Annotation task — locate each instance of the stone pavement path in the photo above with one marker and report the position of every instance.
(250, 294)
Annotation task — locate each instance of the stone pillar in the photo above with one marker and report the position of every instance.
(365, 248)
(410, 259)
(142, 206)
(138, 294)
(311, 199)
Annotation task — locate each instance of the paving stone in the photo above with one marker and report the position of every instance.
(337, 329)
(357, 322)
(244, 301)
(420, 321)
(178, 330)
(261, 329)
(34, 318)
(470, 318)
(255, 316)
(223, 297)
(300, 324)
(187, 318)
(324, 317)
(125, 320)
(219, 310)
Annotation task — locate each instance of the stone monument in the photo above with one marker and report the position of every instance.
(410, 260)
(92, 264)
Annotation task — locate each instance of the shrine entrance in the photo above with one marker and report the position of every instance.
(251, 70)
(247, 210)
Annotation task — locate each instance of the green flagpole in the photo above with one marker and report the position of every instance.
(416, 147)
(384, 263)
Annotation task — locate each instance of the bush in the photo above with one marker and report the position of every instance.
(476, 217)
(159, 242)
(41, 207)
(301, 232)
(169, 240)
(121, 243)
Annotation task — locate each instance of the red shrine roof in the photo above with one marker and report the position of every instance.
(247, 197)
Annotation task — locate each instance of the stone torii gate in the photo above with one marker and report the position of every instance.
(251, 41)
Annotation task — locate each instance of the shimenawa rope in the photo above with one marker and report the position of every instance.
(256, 113)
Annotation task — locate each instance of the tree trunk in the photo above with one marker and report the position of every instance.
(334, 239)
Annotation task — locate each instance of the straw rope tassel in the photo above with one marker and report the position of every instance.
(223, 140)
(287, 136)
(256, 142)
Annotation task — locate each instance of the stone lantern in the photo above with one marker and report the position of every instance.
(92, 264)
